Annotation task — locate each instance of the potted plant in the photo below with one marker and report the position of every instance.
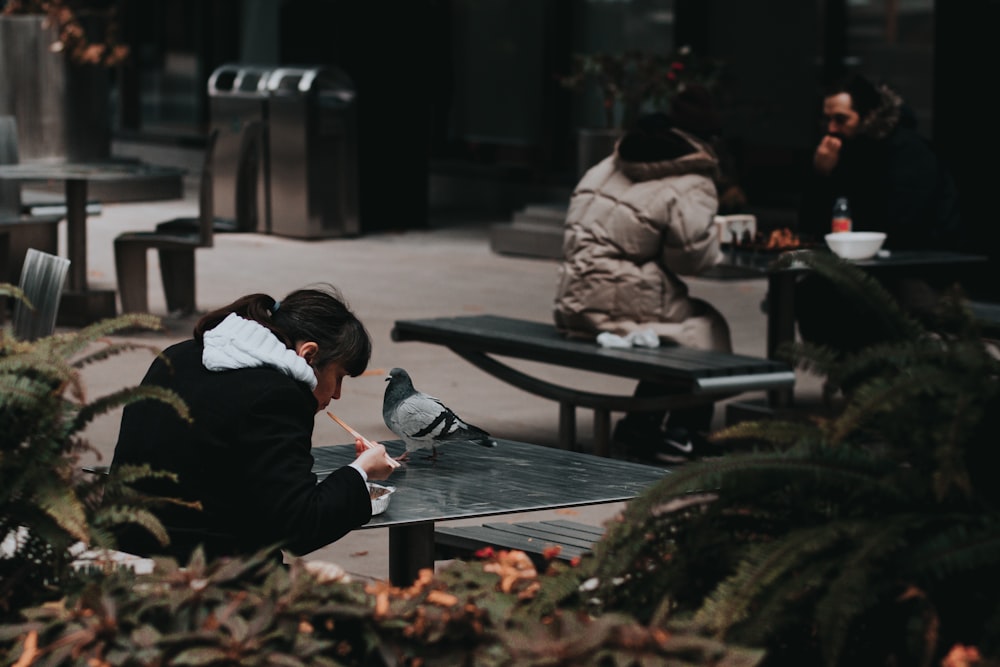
(631, 83)
(55, 61)
(87, 31)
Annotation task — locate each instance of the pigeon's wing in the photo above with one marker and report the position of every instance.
(414, 414)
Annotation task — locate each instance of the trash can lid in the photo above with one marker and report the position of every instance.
(239, 80)
(307, 80)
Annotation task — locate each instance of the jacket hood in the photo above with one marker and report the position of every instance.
(645, 157)
(885, 117)
(237, 343)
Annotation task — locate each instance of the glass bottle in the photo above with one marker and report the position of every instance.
(841, 216)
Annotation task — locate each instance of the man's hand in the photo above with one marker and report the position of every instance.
(827, 154)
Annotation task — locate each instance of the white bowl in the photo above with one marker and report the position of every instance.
(855, 245)
(383, 493)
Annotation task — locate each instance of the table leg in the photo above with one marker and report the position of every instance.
(567, 426)
(602, 432)
(81, 305)
(76, 234)
(780, 323)
(411, 548)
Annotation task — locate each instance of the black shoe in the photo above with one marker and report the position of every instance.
(643, 442)
(676, 446)
(636, 440)
(680, 446)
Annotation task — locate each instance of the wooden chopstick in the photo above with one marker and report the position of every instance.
(367, 443)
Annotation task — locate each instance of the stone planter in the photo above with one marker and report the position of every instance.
(592, 146)
(62, 109)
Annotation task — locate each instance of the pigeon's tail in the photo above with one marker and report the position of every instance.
(475, 435)
(486, 442)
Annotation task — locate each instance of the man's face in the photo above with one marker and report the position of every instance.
(841, 120)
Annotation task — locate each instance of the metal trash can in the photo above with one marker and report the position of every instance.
(238, 109)
(312, 146)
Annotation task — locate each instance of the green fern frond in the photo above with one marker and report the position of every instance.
(22, 391)
(117, 515)
(857, 587)
(763, 567)
(127, 396)
(38, 361)
(963, 546)
(64, 508)
(776, 432)
(68, 346)
(810, 357)
(746, 476)
(112, 349)
(124, 475)
(872, 400)
(909, 356)
(6, 289)
(37, 364)
(118, 485)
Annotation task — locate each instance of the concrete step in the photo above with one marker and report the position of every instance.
(528, 239)
(535, 231)
(554, 214)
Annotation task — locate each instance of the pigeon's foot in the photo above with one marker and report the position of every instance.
(403, 458)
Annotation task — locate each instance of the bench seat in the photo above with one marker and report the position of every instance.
(987, 316)
(534, 538)
(694, 377)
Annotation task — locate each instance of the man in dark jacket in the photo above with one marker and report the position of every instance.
(872, 154)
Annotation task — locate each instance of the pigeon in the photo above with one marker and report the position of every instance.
(422, 421)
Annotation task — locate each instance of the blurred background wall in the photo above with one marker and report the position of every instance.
(460, 104)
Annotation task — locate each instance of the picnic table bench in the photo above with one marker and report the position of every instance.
(693, 377)
(987, 316)
(534, 538)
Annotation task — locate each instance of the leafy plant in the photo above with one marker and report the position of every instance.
(868, 537)
(256, 612)
(633, 82)
(47, 503)
(87, 30)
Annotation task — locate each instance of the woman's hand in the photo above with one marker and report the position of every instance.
(375, 461)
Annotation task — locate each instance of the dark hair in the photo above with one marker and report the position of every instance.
(693, 111)
(319, 314)
(653, 139)
(865, 96)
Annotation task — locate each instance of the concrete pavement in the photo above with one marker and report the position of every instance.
(446, 270)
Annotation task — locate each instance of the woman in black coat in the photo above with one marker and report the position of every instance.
(253, 377)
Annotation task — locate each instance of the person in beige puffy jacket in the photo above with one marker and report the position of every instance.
(637, 221)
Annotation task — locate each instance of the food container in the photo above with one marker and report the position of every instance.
(380, 496)
(855, 245)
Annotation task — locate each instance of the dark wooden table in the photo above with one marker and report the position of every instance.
(467, 481)
(80, 304)
(928, 264)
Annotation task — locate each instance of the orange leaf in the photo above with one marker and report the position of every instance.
(30, 650)
(441, 599)
(551, 552)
